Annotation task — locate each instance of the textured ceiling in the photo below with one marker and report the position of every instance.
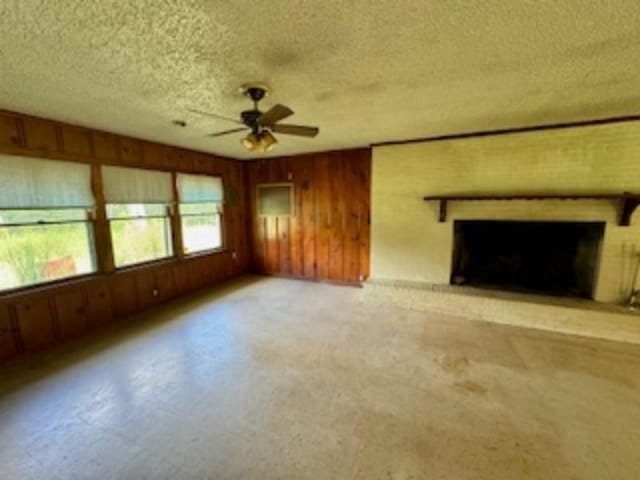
(364, 71)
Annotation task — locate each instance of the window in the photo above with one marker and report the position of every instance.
(275, 199)
(139, 232)
(45, 228)
(138, 203)
(201, 199)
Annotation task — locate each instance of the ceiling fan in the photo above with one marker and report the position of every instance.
(260, 125)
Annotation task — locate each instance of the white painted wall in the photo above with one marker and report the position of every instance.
(408, 243)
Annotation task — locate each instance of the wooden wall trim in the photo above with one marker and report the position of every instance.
(176, 227)
(101, 232)
(509, 131)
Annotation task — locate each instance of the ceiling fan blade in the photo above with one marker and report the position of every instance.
(299, 130)
(226, 132)
(275, 114)
(215, 115)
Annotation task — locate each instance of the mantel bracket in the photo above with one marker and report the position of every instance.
(629, 204)
(442, 216)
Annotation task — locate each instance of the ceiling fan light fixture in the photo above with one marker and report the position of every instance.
(251, 142)
(263, 142)
(268, 141)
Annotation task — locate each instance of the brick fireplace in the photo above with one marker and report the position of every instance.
(411, 244)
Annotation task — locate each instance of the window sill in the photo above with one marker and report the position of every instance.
(204, 253)
(70, 282)
(158, 262)
(48, 286)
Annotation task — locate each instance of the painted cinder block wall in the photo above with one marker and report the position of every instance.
(408, 242)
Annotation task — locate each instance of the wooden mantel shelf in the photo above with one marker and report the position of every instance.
(628, 201)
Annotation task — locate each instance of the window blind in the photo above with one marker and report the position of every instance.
(35, 183)
(199, 188)
(134, 185)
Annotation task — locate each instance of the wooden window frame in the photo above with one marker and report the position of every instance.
(178, 215)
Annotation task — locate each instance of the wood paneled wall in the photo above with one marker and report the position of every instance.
(37, 317)
(327, 238)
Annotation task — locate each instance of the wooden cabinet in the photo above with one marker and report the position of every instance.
(40, 135)
(9, 133)
(35, 323)
(7, 341)
(99, 298)
(105, 147)
(75, 141)
(123, 294)
(72, 313)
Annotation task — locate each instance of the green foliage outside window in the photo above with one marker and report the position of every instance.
(35, 253)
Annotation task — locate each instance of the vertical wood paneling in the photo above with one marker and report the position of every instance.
(8, 346)
(72, 313)
(40, 134)
(105, 148)
(123, 295)
(328, 235)
(100, 308)
(364, 214)
(273, 245)
(284, 244)
(146, 289)
(130, 151)
(308, 214)
(155, 155)
(75, 141)
(337, 190)
(295, 222)
(165, 284)
(35, 318)
(258, 234)
(181, 278)
(9, 131)
(351, 224)
(323, 215)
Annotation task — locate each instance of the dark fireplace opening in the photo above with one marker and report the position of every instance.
(552, 258)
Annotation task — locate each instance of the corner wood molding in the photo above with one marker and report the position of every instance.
(628, 201)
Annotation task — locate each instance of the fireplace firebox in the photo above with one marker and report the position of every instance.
(551, 258)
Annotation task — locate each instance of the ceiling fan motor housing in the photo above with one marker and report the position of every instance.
(250, 118)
